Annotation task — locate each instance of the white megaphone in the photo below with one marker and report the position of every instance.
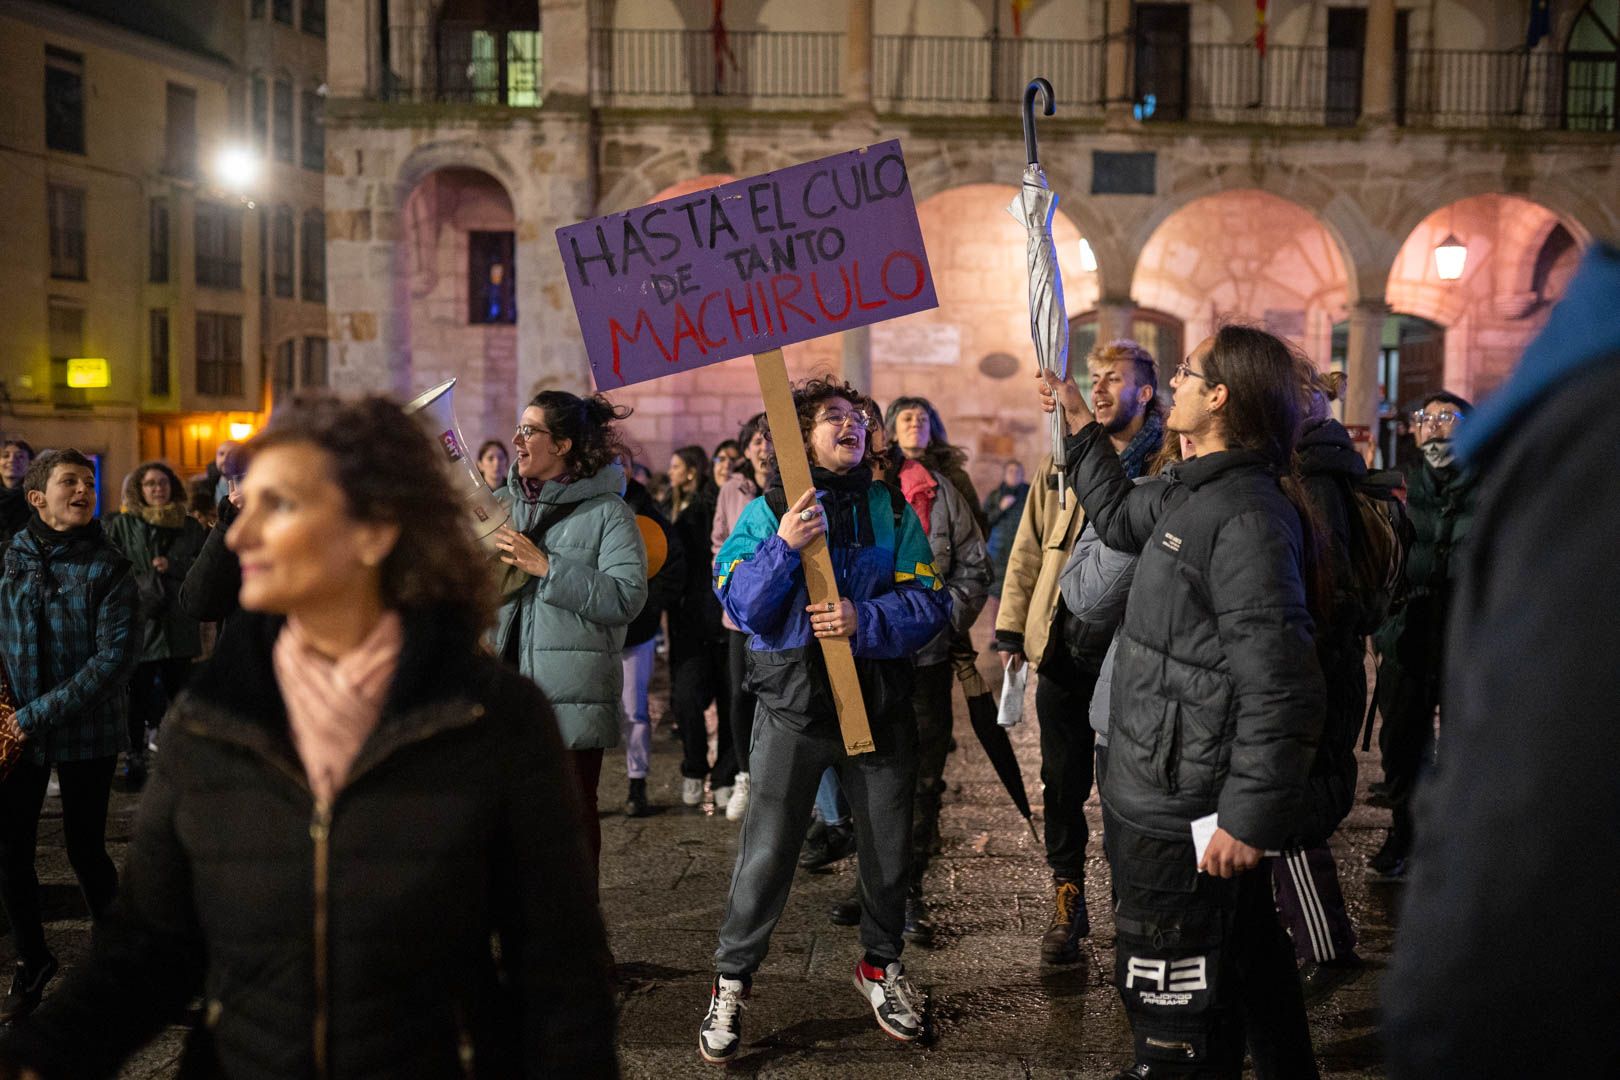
(437, 411)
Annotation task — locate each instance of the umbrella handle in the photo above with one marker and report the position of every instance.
(1038, 86)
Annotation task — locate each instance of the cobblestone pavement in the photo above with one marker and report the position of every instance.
(996, 1010)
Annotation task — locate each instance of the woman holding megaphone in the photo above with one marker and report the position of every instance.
(575, 538)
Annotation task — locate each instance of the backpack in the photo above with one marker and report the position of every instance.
(1381, 533)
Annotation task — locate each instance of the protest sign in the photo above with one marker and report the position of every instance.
(748, 267)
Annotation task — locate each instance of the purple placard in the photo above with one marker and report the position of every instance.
(749, 266)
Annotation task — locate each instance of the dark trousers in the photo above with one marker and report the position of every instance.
(586, 765)
(743, 701)
(85, 788)
(1068, 745)
(1312, 905)
(1202, 964)
(1408, 696)
(701, 674)
(931, 701)
(154, 684)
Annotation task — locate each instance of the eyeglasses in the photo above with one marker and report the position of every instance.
(525, 432)
(844, 419)
(1443, 419)
(1185, 369)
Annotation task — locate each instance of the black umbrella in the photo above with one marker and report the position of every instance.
(992, 736)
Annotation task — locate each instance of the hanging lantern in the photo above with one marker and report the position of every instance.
(1450, 258)
(1088, 258)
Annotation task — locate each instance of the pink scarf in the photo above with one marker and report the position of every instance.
(334, 705)
(920, 488)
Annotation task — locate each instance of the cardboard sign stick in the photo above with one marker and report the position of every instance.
(794, 465)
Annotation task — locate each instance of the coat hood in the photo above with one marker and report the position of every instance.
(1581, 332)
(1325, 447)
(609, 480)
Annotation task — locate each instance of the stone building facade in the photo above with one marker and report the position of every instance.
(1306, 189)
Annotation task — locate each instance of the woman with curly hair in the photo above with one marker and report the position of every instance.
(575, 538)
(157, 534)
(350, 772)
(891, 605)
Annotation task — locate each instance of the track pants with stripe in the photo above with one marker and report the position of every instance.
(1312, 905)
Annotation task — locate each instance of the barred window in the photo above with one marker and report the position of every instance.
(219, 246)
(158, 346)
(281, 243)
(66, 210)
(314, 256)
(219, 354)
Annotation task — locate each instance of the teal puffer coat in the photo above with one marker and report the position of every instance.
(570, 623)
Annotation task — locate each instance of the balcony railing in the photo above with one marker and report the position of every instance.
(456, 63)
(959, 75)
(1234, 84)
(1442, 88)
(754, 68)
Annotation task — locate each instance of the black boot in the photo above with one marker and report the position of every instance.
(846, 912)
(919, 929)
(828, 846)
(1061, 942)
(635, 804)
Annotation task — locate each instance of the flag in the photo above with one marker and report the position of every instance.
(1540, 22)
(722, 46)
(1260, 26)
(1018, 9)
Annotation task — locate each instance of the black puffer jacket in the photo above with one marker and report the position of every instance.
(212, 587)
(354, 942)
(1217, 695)
(1331, 468)
(694, 622)
(14, 513)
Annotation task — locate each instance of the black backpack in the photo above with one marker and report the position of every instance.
(1381, 534)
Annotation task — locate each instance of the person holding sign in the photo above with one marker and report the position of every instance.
(892, 603)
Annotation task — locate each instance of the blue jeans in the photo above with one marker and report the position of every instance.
(830, 801)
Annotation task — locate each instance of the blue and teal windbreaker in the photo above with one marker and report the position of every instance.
(899, 601)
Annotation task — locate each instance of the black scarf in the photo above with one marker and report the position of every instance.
(1138, 453)
(50, 538)
(849, 520)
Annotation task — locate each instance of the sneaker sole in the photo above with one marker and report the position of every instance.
(881, 1023)
(703, 1052)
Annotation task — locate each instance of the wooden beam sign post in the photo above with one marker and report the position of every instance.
(746, 268)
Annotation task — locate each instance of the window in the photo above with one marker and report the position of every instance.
(282, 252)
(285, 379)
(314, 257)
(1592, 73)
(284, 121)
(281, 11)
(264, 254)
(219, 246)
(314, 17)
(180, 147)
(1162, 49)
(491, 278)
(261, 113)
(314, 373)
(157, 338)
(64, 100)
(314, 132)
(66, 207)
(157, 241)
(66, 328)
(219, 354)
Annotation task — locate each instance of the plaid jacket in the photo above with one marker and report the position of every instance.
(68, 639)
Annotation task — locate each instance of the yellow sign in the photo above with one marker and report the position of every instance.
(84, 373)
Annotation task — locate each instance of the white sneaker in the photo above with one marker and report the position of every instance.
(691, 791)
(721, 1033)
(893, 1000)
(737, 805)
(722, 797)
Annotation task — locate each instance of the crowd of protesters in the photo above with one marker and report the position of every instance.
(353, 727)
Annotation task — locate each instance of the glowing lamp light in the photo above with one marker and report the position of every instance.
(88, 373)
(236, 168)
(1088, 258)
(241, 431)
(1450, 258)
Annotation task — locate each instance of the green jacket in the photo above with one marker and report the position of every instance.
(166, 632)
(569, 625)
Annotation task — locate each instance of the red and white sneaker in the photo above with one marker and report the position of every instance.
(721, 1033)
(893, 1001)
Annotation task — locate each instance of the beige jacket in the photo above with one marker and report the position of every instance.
(1029, 592)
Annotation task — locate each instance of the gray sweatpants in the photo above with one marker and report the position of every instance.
(785, 767)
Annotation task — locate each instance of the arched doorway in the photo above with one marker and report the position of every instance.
(1592, 68)
(457, 289)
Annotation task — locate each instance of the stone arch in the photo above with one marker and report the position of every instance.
(459, 153)
(1582, 215)
(1247, 253)
(643, 182)
(1366, 257)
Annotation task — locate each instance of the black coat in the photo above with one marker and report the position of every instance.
(458, 823)
(213, 585)
(1507, 958)
(14, 513)
(695, 619)
(1331, 467)
(1217, 695)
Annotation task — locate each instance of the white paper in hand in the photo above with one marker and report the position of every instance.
(1203, 831)
(1012, 695)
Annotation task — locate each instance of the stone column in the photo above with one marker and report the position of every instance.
(352, 33)
(1115, 316)
(1378, 64)
(1361, 363)
(565, 37)
(858, 358)
(858, 59)
(1117, 59)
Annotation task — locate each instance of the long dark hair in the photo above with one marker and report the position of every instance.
(586, 422)
(808, 397)
(745, 435)
(391, 470)
(1266, 405)
(939, 455)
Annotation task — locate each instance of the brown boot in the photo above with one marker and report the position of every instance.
(1061, 942)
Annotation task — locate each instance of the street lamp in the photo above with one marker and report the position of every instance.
(1088, 258)
(1450, 258)
(236, 169)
